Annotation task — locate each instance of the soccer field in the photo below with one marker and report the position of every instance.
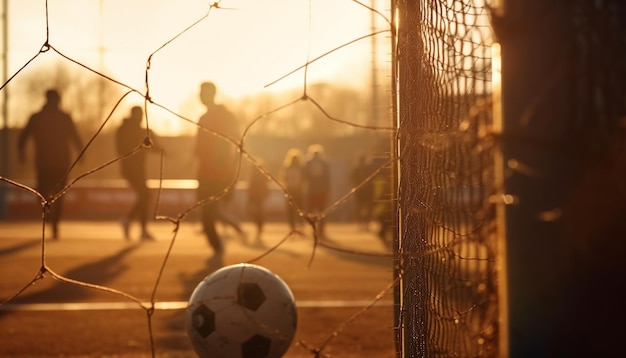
(334, 289)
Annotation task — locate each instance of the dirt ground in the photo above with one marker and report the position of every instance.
(333, 289)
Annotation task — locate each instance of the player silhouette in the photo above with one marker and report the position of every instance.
(53, 133)
(216, 160)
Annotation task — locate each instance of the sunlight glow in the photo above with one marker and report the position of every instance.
(242, 45)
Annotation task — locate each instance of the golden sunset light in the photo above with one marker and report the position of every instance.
(299, 178)
(241, 45)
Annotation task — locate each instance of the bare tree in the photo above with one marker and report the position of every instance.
(305, 119)
(86, 95)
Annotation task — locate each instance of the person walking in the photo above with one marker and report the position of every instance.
(217, 158)
(292, 177)
(228, 215)
(258, 192)
(364, 196)
(128, 137)
(54, 134)
(317, 174)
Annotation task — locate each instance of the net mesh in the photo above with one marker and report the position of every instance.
(447, 247)
(461, 166)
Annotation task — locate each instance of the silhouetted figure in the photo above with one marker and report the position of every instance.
(317, 174)
(385, 211)
(364, 197)
(293, 178)
(258, 191)
(217, 159)
(228, 213)
(128, 137)
(53, 133)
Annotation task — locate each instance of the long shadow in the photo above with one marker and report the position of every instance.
(19, 247)
(177, 339)
(348, 253)
(99, 272)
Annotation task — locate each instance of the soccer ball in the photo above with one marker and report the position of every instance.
(241, 311)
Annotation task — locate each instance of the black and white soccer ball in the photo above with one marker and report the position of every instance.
(241, 311)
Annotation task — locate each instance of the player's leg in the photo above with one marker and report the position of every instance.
(210, 212)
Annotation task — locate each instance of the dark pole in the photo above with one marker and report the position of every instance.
(397, 292)
(562, 100)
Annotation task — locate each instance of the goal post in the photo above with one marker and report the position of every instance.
(562, 116)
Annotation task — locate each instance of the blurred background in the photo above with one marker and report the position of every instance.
(103, 49)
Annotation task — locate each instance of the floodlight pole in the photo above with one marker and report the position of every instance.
(374, 69)
(5, 112)
(101, 51)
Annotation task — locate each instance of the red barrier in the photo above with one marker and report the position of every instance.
(111, 199)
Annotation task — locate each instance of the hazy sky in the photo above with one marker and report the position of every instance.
(242, 46)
